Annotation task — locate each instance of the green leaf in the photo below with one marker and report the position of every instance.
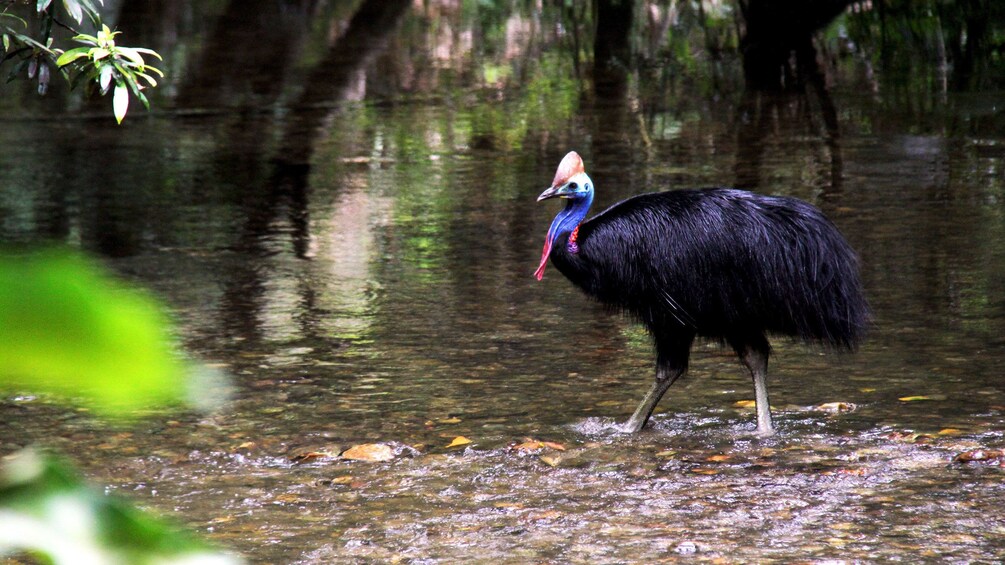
(67, 328)
(98, 53)
(150, 80)
(43, 4)
(23, 21)
(84, 38)
(73, 8)
(18, 69)
(71, 55)
(130, 80)
(29, 41)
(120, 102)
(92, 11)
(143, 98)
(148, 52)
(105, 78)
(131, 54)
(6, 42)
(83, 77)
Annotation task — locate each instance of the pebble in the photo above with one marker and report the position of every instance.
(686, 547)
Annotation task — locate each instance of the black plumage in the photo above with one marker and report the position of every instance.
(717, 263)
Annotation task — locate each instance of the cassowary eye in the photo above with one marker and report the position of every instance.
(573, 185)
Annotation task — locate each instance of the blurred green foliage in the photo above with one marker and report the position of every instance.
(68, 328)
(48, 512)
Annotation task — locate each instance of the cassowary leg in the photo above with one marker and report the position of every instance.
(755, 357)
(671, 362)
(663, 381)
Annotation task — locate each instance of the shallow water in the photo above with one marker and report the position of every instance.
(363, 269)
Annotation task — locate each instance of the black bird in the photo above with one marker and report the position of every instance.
(717, 263)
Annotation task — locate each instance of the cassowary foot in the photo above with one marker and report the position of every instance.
(648, 404)
(633, 425)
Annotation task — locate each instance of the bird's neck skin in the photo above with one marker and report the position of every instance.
(567, 220)
(570, 217)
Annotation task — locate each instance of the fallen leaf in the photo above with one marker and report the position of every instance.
(857, 472)
(531, 444)
(950, 432)
(704, 471)
(528, 445)
(311, 456)
(508, 505)
(343, 480)
(452, 420)
(980, 455)
(666, 454)
(913, 398)
(898, 436)
(545, 515)
(369, 452)
(958, 539)
(837, 542)
(551, 461)
(718, 458)
(836, 407)
(459, 440)
(745, 403)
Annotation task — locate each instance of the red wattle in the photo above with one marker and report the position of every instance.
(539, 273)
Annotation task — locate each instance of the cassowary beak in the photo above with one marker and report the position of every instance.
(552, 192)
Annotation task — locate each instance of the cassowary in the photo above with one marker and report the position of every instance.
(717, 263)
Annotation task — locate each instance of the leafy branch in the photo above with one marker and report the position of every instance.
(104, 61)
(100, 63)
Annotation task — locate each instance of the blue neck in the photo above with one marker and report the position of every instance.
(570, 216)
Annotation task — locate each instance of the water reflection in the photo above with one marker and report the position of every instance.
(350, 230)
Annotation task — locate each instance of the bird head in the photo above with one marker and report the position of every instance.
(570, 180)
(572, 184)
